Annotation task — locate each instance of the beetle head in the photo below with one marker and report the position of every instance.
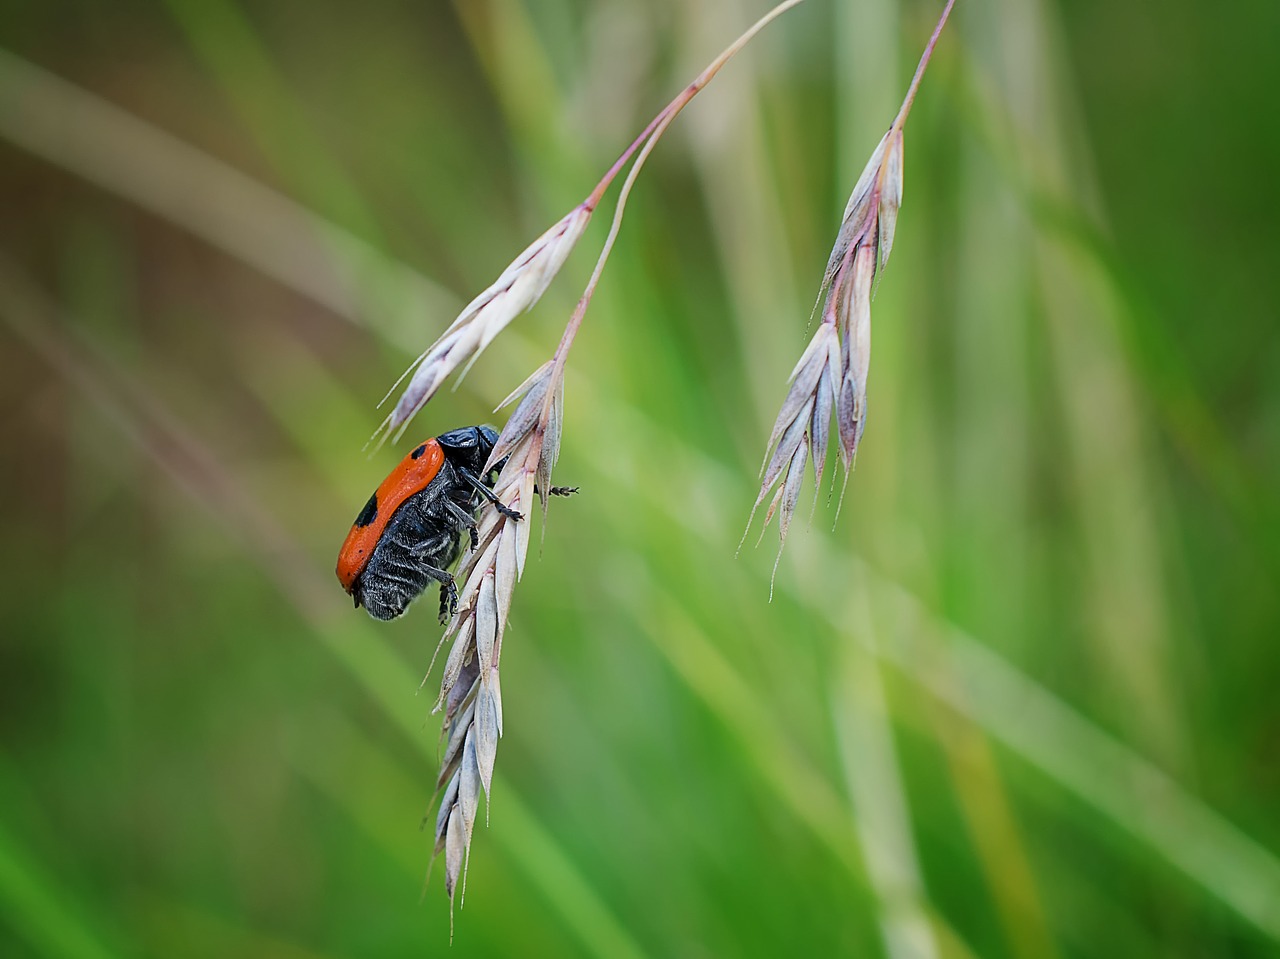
(469, 446)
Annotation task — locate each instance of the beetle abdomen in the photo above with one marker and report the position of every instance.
(419, 544)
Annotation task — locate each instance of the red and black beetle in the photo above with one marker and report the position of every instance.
(410, 531)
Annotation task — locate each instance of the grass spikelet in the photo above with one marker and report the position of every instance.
(516, 291)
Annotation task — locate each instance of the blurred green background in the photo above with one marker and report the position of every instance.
(1020, 702)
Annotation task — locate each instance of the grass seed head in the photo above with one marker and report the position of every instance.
(831, 375)
(470, 690)
(519, 287)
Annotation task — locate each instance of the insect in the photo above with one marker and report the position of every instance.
(410, 531)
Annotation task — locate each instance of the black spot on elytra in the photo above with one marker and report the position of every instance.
(419, 451)
(369, 513)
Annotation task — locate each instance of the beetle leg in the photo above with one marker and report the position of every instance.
(448, 590)
(462, 517)
(488, 494)
(465, 519)
(560, 490)
(448, 601)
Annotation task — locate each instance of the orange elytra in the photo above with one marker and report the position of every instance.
(413, 474)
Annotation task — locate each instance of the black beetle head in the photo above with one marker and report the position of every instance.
(468, 446)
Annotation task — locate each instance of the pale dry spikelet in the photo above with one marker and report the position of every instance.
(831, 376)
(519, 287)
(470, 692)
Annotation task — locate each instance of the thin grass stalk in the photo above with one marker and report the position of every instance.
(521, 285)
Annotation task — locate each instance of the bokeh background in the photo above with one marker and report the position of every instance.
(1020, 702)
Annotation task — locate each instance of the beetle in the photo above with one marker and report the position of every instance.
(410, 531)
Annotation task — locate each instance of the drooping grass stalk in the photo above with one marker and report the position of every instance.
(580, 310)
(831, 375)
(683, 98)
(523, 282)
